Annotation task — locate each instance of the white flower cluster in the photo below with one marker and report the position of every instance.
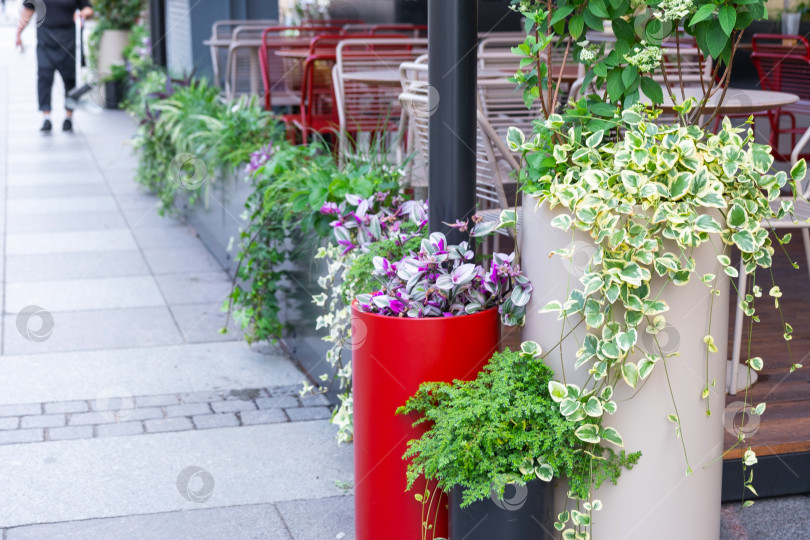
(587, 51)
(646, 59)
(675, 10)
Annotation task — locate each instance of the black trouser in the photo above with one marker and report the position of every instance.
(56, 51)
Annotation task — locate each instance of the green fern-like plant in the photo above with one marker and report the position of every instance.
(504, 427)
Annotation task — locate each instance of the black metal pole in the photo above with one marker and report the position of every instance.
(452, 46)
(157, 31)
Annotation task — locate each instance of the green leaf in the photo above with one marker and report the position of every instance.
(736, 216)
(515, 138)
(588, 433)
(597, 7)
(531, 348)
(630, 374)
(652, 90)
(799, 170)
(716, 39)
(593, 407)
(615, 87)
(561, 13)
(562, 221)
(728, 18)
(745, 241)
(680, 186)
(709, 341)
(707, 223)
(576, 25)
(704, 12)
(755, 363)
(544, 472)
(569, 406)
(557, 390)
(611, 435)
(554, 305)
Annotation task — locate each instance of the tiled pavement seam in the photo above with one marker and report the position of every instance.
(136, 415)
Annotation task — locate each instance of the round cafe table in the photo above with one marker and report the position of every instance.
(736, 101)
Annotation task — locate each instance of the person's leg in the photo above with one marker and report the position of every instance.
(45, 73)
(66, 64)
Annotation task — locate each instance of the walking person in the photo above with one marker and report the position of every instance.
(56, 48)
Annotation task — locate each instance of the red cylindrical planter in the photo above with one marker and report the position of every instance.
(392, 357)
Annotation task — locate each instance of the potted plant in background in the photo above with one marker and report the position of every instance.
(496, 442)
(792, 17)
(115, 87)
(110, 36)
(656, 207)
(435, 318)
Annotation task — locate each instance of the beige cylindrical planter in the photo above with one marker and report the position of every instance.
(656, 499)
(110, 51)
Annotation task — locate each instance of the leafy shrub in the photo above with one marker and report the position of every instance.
(504, 427)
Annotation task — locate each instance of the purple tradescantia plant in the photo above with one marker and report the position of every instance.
(361, 221)
(441, 281)
(259, 158)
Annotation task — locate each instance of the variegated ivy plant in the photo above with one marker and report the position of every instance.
(647, 195)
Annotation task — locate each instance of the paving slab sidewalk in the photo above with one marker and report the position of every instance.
(124, 413)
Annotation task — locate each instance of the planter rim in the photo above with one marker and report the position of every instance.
(423, 320)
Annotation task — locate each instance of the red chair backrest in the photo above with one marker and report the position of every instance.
(273, 37)
(317, 92)
(782, 63)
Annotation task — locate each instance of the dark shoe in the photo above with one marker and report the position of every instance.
(46, 125)
(67, 125)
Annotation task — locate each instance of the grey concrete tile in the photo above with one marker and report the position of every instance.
(43, 166)
(232, 406)
(61, 191)
(120, 429)
(168, 424)
(195, 288)
(254, 522)
(60, 266)
(98, 329)
(269, 416)
(43, 420)
(9, 422)
(21, 436)
(40, 206)
(212, 421)
(181, 260)
(66, 221)
(66, 407)
(308, 413)
(139, 370)
(139, 218)
(318, 519)
(137, 201)
(84, 294)
(170, 235)
(70, 242)
(59, 158)
(201, 397)
(203, 322)
(284, 402)
(156, 401)
(315, 400)
(187, 409)
(146, 468)
(20, 410)
(70, 433)
(50, 179)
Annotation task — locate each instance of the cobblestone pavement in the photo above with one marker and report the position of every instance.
(124, 412)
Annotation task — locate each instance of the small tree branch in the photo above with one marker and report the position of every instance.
(678, 49)
(559, 77)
